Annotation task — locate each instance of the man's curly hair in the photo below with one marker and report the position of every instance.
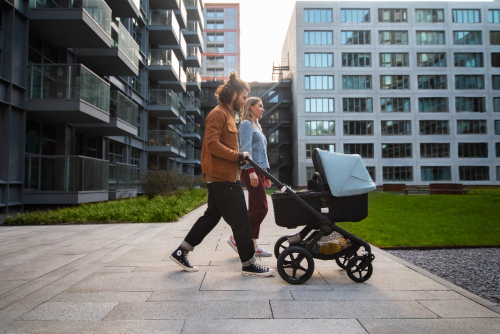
(225, 92)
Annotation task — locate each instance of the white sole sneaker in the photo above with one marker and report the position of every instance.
(271, 272)
(232, 244)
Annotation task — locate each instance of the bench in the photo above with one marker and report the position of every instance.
(393, 186)
(439, 189)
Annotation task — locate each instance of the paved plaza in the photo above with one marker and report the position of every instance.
(118, 278)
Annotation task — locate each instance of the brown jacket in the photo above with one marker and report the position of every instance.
(219, 153)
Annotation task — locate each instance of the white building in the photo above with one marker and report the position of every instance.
(413, 87)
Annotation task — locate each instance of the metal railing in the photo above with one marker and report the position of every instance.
(123, 108)
(127, 45)
(164, 97)
(122, 176)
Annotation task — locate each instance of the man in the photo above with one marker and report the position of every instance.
(220, 166)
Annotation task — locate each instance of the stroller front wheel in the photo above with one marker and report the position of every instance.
(280, 245)
(358, 269)
(295, 265)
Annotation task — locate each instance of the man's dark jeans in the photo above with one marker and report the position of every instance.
(226, 200)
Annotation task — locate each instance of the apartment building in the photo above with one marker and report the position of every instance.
(92, 92)
(222, 41)
(412, 87)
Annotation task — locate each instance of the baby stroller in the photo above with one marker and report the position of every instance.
(338, 192)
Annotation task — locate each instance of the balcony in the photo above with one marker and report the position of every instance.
(166, 142)
(72, 24)
(163, 27)
(181, 15)
(163, 103)
(179, 119)
(125, 9)
(194, 8)
(192, 105)
(165, 4)
(63, 93)
(193, 57)
(123, 119)
(179, 85)
(123, 180)
(66, 179)
(193, 82)
(180, 49)
(192, 157)
(191, 131)
(192, 33)
(163, 65)
(122, 59)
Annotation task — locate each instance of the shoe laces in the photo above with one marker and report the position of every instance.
(259, 266)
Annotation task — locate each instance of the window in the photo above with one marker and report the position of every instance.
(496, 104)
(430, 38)
(394, 82)
(467, 38)
(495, 82)
(397, 173)
(394, 151)
(364, 150)
(215, 37)
(274, 137)
(435, 150)
(433, 104)
(356, 82)
(215, 72)
(469, 81)
(390, 128)
(324, 147)
(431, 81)
(319, 82)
(392, 15)
(356, 37)
(429, 15)
(215, 13)
(357, 104)
(356, 60)
(498, 173)
(137, 33)
(85, 146)
(494, 16)
(320, 128)
(215, 24)
(215, 60)
(215, 48)
(466, 15)
(497, 149)
(495, 59)
(494, 37)
(135, 159)
(318, 60)
(317, 37)
(474, 173)
(431, 59)
(435, 173)
(275, 117)
(434, 128)
(317, 15)
(469, 59)
(394, 104)
(472, 150)
(394, 60)
(115, 153)
(371, 171)
(358, 128)
(470, 104)
(354, 15)
(40, 138)
(231, 59)
(393, 37)
(469, 127)
(320, 105)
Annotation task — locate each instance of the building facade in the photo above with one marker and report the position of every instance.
(222, 41)
(92, 93)
(412, 87)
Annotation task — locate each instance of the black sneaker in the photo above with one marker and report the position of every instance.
(180, 257)
(256, 269)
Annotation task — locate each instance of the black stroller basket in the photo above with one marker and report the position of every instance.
(318, 211)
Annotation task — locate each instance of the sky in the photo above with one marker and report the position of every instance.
(263, 27)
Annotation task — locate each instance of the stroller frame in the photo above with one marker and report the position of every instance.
(296, 260)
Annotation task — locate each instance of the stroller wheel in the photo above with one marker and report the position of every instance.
(343, 260)
(295, 265)
(358, 270)
(281, 245)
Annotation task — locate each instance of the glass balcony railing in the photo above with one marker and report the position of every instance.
(183, 77)
(163, 58)
(182, 146)
(65, 173)
(163, 17)
(164, 97)
(126, 43)
(191, 103)
(67, 82)
(123, 108)
(183, 11)
(98, 10)
(194, 77)
(193, 26)
(167, 138)
(122, 176)
(194, 52)
(192, 154)
(182, 113)
(191, 129)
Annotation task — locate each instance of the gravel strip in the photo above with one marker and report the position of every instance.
(476, 270)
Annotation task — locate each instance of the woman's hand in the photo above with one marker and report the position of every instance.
(268, 183)
(254, 179)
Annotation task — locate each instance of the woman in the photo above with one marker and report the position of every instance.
(253, 140)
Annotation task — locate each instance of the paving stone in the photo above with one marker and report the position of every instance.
(458, 309)
(431, 326)
(360, 295)
(89, 311)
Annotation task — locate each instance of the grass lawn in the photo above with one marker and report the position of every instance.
(133, 210)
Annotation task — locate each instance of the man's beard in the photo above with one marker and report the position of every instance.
(236, 106)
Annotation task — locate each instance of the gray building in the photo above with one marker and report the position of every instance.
(413, 87)
(91, 93)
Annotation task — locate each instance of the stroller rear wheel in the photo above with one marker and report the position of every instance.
(358, 269)
(295, 265)
(281, 245)
(343, 260)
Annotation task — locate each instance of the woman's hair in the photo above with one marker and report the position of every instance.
(246, 114)
(225, 92)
